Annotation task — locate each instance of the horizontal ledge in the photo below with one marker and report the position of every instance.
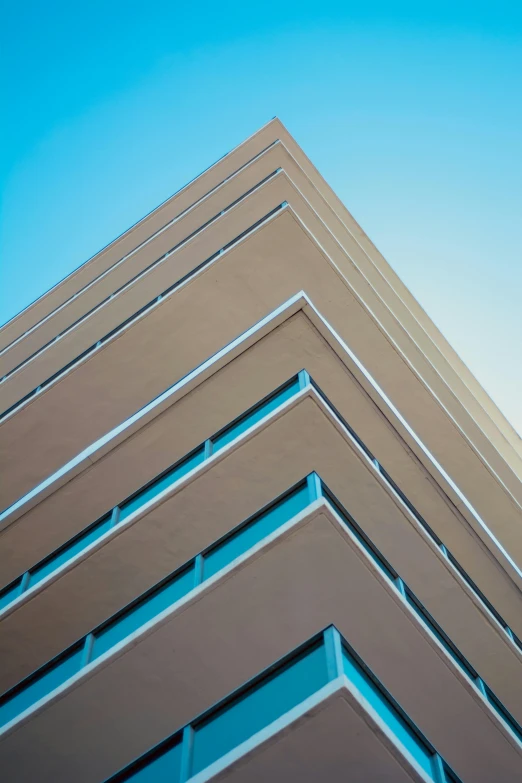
(109, 531)
(299, 302)
(314, 508)
(292, 557)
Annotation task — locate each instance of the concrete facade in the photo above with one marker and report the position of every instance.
(233, 443)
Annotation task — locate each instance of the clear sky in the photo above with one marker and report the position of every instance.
(411, 110)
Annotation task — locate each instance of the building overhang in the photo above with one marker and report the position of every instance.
(304, 435)
(311, 573)
(259, 146)
(290, 339)
(402, 331)
(331, 737)
(274, 259)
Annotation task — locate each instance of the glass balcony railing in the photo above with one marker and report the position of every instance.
(222, 554)
(175, 473)
(265, 701)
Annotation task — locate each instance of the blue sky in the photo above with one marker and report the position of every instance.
(412, 112)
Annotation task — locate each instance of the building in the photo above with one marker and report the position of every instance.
(261, 523)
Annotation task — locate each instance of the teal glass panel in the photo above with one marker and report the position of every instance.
(449, 777)
(10, 593)
(257, 708)
(43, 684)
(68, 552)
(387, 712)
(254, 531)
(162, 483)
(247, 421)
(140, 613)
(165, 768)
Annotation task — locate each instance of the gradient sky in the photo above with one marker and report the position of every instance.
(412, 112)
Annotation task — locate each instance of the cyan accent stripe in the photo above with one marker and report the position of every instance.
(270, 696)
